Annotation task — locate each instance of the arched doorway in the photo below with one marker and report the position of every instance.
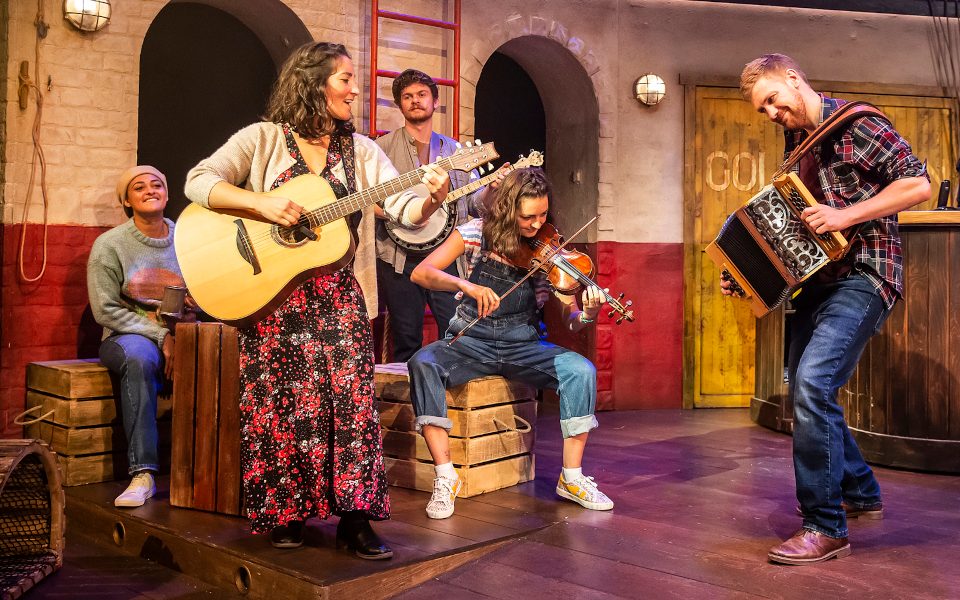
(572, 125)
(206, 68)
(509, 110)
(571, 131)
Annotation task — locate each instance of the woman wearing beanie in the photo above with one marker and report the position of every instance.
(129, 268)
(310, 440)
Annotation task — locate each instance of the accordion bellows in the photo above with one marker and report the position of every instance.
(767, 248)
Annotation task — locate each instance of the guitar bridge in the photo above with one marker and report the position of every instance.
(245, 247)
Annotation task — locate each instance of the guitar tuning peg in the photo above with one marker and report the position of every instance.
(620, 297)
(477, 142)
(620, 320)
(457, 144)
(469, 145)
(629, 302)
(611, 313)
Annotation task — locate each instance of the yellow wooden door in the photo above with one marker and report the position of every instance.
(925, 123)
(736, 150)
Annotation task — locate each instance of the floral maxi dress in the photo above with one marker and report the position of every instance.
(310, 434)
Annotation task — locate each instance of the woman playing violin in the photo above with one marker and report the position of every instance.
(505, 341)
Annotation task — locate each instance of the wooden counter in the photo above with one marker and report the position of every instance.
(903, 402)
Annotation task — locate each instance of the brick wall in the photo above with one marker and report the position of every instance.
(46, 320)
(89, 135)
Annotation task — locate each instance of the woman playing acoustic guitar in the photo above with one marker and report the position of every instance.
(505, 341)
(310, 442)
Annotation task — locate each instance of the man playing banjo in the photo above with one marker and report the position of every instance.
(400, 251)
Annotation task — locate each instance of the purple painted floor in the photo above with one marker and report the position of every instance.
(700, 497)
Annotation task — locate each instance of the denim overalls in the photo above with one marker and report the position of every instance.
(504, 343)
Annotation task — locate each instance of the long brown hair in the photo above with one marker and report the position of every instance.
(298, 97)
(500, 228)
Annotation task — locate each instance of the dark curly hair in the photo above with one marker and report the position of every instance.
(410, 77)
(298, 96)
(500, 228)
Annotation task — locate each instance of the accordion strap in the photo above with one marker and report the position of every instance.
(840, 117)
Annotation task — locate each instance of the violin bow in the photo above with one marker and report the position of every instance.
(529, 273)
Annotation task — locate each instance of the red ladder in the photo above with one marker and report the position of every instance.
(375, 72)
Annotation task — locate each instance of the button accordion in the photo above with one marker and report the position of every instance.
(767, 251)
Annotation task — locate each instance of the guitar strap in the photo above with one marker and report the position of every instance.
(345, 140)
(840, 117)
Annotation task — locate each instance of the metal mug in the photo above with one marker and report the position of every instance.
(172, 303)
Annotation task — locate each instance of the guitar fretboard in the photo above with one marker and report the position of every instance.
(479, 183)
(354, 202)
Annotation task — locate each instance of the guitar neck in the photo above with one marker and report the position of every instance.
(473, 186)
(454, 195)
(358, 200)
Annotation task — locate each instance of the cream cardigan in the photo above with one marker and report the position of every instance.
(256, 155)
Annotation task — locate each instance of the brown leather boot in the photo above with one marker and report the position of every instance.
(807, 546)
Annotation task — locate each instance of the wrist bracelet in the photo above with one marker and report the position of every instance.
(584, 319)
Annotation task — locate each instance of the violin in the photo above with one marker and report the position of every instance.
(567, 270)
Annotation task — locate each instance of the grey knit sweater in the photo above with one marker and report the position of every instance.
(126, 276)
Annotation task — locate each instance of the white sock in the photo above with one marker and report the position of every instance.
(572, 474)
(446, 470)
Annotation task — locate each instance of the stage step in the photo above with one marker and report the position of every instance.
(219, 550)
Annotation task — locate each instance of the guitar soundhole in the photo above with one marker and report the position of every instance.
(289, 236)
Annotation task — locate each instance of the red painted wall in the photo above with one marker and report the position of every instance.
(638, 364)
(46, 320)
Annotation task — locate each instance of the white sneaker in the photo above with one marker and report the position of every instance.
(445, 491)
(140, 489)
(584, 492)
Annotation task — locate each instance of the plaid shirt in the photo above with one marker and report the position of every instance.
(853, 166)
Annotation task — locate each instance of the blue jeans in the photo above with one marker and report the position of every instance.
(829, 331)
(505, 343)
(405, 302)
(139, 364)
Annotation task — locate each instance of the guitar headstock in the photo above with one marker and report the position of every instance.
(534, 160)
(469, 156)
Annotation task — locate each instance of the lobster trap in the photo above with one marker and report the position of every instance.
(31, 516)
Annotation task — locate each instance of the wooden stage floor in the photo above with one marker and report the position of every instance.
(700, 497)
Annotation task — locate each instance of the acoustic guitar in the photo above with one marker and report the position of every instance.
(438, 227)
(239, 268)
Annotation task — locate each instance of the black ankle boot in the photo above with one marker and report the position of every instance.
(355, 533)
(287, 536)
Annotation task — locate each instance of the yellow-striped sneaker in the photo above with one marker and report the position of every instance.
(584, 492)
(445, 491)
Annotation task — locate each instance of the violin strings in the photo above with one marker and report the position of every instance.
(581, 278)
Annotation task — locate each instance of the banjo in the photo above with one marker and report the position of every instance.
(441, 223)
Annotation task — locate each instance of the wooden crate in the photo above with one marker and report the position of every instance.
(466, 423)
(82, 424)
(463, 451)
(393, 383)
(205, 458)
(477, 479)
(486, 447)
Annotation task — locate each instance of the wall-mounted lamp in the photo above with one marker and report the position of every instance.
(649, 89)
(87, 15)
